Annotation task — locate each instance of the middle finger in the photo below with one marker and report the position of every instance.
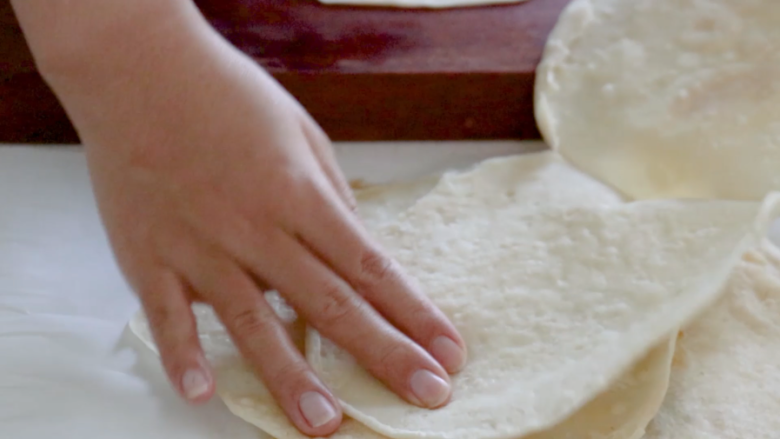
(340, 239)
(334, 309)
(262, 339)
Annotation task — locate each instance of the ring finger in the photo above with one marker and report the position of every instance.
(333, 308)
(263, 341)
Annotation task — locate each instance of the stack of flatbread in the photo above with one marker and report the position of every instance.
(619, 286)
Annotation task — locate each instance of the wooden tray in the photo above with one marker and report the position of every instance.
(363, 73)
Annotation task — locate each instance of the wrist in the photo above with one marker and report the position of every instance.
(92, 41)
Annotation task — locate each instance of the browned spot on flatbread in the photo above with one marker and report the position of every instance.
(359, 183)
(678, 360)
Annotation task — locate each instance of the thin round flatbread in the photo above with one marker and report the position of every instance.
(557, 293)
(625, 409)
(621, 412)
(666, 98)
(380, 204)
(726, 371)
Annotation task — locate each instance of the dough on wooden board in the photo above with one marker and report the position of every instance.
(726, 372)
(556, 295)
(619, 413)
(415, 4)
(666, 98)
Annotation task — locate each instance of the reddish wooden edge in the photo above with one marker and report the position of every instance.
(363, 73)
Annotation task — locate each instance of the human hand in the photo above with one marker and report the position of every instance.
(215, 185)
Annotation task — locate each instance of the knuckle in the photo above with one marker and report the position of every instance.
(304, 184)
(427, 320)
(349, 199)
(338, 306)
(376, 268)
(294, 375)
(299, 186)
(390, 357)
(310, 192)
(248, 321)
(158, 314)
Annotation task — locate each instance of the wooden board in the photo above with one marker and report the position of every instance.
(363, 73)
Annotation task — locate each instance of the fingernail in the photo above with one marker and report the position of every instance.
(317, 410)
(195, 384)
(430, 389)
(448, 354)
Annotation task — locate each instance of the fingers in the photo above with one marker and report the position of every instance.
(340, 240)
(265, 344)
(321, 147)
(333, 308)
(175, 332)
(370, 271)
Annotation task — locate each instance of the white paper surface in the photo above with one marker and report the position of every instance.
(67, 368)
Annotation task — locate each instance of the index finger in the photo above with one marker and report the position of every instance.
(342, 242)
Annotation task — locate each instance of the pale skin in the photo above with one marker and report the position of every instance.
(215, 185)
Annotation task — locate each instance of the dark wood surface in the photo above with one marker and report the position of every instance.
(363, 73)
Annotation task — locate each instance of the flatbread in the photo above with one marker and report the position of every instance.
(244, 395)
(426, 4)
(624, 410)
(621, 412)
(381, 204)
(571, 293)
(726, 372)
(666, 98)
